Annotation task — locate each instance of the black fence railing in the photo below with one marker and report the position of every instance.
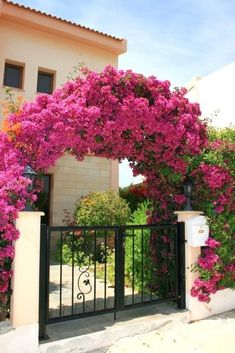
(92, 270)
(5, 305)
(147, 270)
(5, 297)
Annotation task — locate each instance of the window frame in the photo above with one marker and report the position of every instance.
(49, 74)
(20, 67)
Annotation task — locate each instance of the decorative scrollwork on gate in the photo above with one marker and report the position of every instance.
(84, 284)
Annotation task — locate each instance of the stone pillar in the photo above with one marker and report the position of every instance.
(191, 254)
(25, 280)
(221, 301)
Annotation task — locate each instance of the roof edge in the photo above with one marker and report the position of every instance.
(193, 83)
(49, 23)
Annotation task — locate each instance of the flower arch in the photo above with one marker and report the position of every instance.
(115, 114)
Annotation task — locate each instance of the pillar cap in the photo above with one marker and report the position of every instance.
(31, 214)
(183, 216)
(188, 213)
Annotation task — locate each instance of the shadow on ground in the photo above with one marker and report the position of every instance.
(83, 326)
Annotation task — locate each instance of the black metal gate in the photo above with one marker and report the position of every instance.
(87, 271)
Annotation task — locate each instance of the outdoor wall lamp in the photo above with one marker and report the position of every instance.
(30, 174)
(188, 186)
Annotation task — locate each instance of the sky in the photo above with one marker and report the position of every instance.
(173, 40)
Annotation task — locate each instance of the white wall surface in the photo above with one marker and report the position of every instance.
(216, 93)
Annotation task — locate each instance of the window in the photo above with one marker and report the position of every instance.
(45, 82)
(13, 75)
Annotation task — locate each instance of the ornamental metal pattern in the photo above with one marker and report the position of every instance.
(83, 284)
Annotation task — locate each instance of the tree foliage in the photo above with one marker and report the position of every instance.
(134, 195)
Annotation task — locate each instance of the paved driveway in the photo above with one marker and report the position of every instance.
(81, 288)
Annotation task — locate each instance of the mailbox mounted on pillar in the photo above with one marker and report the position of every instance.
(198, 231)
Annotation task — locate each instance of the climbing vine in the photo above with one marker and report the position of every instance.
(213, 172)
(114, 114)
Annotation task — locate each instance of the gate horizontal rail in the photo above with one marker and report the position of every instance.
(99, 269)
(137, 226)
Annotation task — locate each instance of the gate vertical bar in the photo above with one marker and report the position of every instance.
(180, 266)
(43, 282)
(119, 269)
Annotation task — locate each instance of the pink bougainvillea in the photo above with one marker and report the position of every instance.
(115, 114)
(215, 176)
(214, 194)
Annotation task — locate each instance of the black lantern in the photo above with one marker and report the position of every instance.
(188, 186)
(30, 174)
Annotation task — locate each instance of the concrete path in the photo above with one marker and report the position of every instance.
(212, 335)
(87, 282)
(151, 329)
(163, 331)
(98, 333)
(95, 291)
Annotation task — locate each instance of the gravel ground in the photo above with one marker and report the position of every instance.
(211, 335)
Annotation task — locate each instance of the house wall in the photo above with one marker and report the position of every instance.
(39, 49)
(73, 179)
(215, 94)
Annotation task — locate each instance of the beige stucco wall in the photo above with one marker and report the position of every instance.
(73, 179)
(39, 49)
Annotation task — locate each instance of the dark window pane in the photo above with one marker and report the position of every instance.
(13, 76)
(45, 82)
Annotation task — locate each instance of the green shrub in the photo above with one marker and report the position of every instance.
(140, 215)
(141, 254)
(150, 252)
(76, 248)
(81, 248)
(110, 268)
(105, 208)
(137, 252)
(96, 209)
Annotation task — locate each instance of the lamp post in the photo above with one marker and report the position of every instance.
(30, 174)
(188, 186)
